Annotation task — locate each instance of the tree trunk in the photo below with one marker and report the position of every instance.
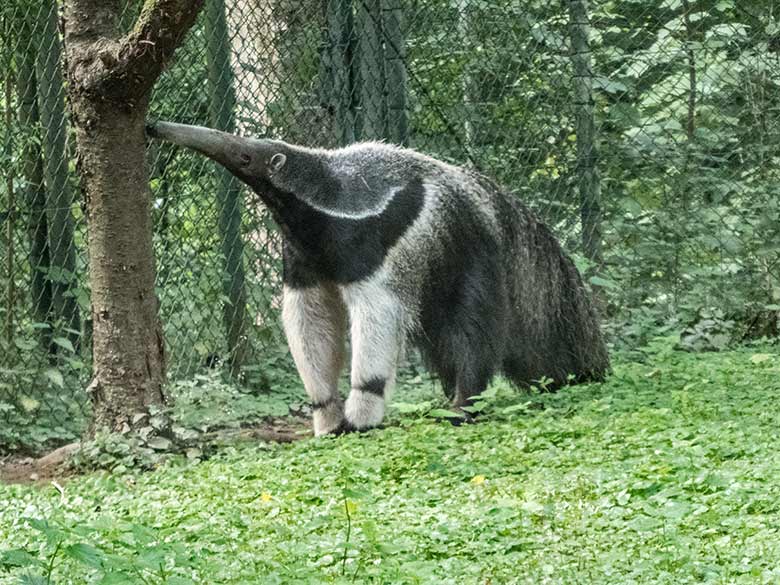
(397, 125)
(383, 85)
(9, 231)
(222, 102)
(110, 80)
(34, 193)
(690, 125)
(373, 105)
(587, 155)
(51, 99)
(690, 122)
(339, 70)
(255, 62)
(164, 157)
(466, 83)
(128, 348)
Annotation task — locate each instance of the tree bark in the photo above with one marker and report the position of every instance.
(34, 192)
(397, 127)
(466, 82)
(373, 105)
(587, 154)
(59, 216)
(110, 79)
(222, 103)
(339, 70)
(164, 154)
(256, 66)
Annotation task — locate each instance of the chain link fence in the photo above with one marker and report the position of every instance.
(644, 132)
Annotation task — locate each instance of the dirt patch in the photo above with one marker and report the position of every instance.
(53, 467)
(281, 430)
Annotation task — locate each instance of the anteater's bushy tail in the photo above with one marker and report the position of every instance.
(555, 331)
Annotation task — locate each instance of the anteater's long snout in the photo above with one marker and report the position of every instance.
(246, 158)
(212, 143)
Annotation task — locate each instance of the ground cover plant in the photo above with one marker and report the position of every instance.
(667, 473)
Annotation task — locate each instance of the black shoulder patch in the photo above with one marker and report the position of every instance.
(339, 249)
(295, 273)
(400, 214)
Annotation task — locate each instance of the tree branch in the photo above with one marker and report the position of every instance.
(155, 36)
(124, 68)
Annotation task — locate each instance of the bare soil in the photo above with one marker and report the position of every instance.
(29, 470)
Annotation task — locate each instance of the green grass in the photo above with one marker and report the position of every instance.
(667, 473)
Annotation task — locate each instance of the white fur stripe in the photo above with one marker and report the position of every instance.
(357, 215)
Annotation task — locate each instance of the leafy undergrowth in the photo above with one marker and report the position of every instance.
(667, 473)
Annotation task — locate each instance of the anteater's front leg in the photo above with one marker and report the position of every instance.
(315, 324)
(377, 333)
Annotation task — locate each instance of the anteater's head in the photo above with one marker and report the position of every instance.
(254, 161)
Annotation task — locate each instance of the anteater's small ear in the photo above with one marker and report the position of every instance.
(277, 162)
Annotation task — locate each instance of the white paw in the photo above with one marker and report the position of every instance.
(327, 420)
(364, 410)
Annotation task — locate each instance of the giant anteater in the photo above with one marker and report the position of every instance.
(397, 246)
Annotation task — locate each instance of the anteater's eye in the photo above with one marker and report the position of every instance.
(245, 158)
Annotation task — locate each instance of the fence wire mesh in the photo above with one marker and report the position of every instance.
(645, 133)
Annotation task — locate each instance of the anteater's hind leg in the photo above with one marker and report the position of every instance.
(315, 323)
(462, 366)
(473, 381)
(470, 342)
(377, 335)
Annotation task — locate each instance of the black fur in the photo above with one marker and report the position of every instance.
(464, 308)
(320, 247)
(344, 428)
(323, 404)
(475, 310)
(375, 386)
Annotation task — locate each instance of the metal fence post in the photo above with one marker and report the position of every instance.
(222, 103)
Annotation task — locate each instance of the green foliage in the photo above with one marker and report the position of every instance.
(40, 404)
(205, 411)
(691, 227)
(635, 480)
(53, 412)
(691, 212)
(118, 452)
(136, 554)
(208, 401)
